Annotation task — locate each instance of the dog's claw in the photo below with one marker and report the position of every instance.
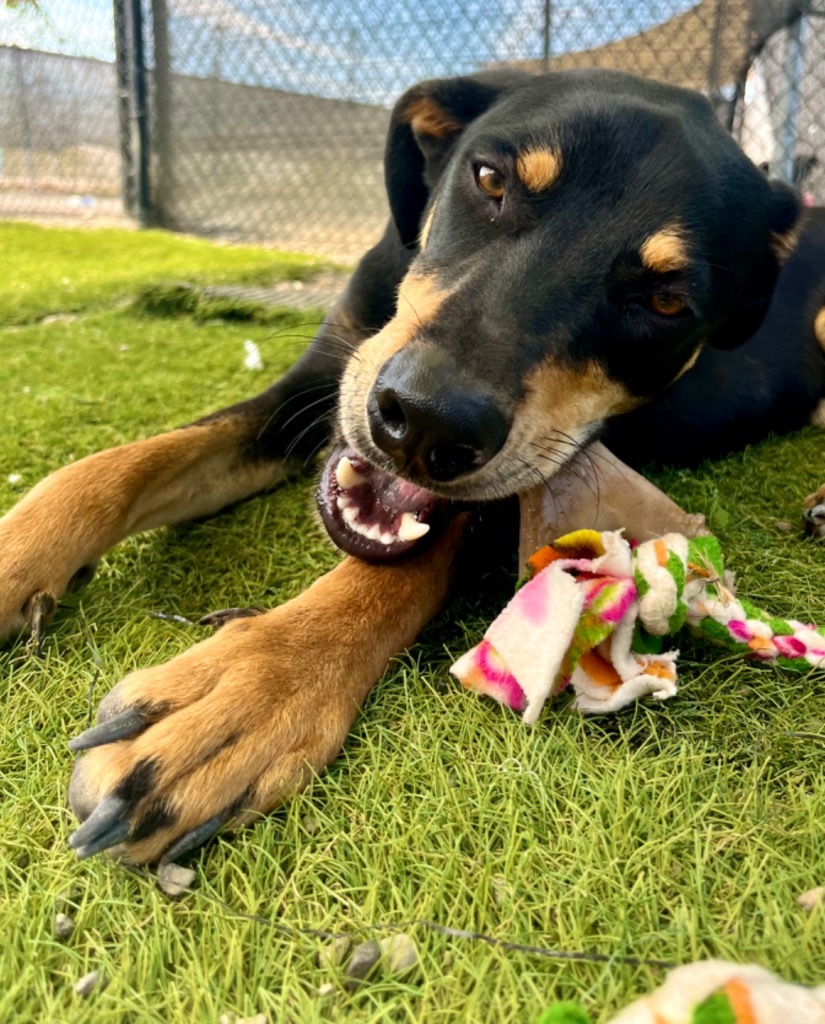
(101, 822)
(220, 618)
(815, 521)
(194, 839)
(38, 611)
(117, 833)
(122, 727)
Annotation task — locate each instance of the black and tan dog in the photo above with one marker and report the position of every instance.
(570, 256)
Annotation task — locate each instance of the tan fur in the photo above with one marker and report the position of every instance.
(817, 498)
(73, 516)
(419, 300)
(818, 415)
(819, 328)
(571, 396)
(784, 245)
(426, 117)
(425, 230)
(666, 251)
(538, 168)
(284, 689)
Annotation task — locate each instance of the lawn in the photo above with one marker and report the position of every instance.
(666, 833)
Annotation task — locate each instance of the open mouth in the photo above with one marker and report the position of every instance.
(371, 513)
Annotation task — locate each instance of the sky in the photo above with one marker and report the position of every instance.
(356, 49)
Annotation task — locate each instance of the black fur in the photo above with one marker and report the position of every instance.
(559, 275)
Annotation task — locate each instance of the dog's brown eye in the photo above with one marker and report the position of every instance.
(667, 305)
(490, 181)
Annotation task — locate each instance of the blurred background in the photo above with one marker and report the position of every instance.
(257, 121)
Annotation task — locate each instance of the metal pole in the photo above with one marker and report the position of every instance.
(127, 156)
(163, 192)
(144, 204)
(545, 57)
(794, 69)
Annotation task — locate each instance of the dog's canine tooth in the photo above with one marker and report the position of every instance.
(346, 474)
(410, 528)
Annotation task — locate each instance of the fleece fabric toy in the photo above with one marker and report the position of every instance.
(594, 613)
(712, 992)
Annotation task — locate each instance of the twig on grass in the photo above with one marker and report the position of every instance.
(293, 931)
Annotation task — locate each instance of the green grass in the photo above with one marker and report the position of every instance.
(665, 833)
(45, 272)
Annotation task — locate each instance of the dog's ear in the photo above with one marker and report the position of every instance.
(425, 125)
(776, 220)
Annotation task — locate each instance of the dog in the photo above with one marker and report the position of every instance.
(570, 256)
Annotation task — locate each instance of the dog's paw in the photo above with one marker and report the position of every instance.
(815, 513)
(44, 549)
(220, 734)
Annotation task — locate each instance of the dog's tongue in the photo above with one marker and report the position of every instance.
(372, 514)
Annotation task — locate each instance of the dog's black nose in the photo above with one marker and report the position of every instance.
(429, 420)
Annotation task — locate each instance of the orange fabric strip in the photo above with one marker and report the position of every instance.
(740, 1002)
(599, 670)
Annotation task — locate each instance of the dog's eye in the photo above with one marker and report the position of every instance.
(490, 181)
(667, 305)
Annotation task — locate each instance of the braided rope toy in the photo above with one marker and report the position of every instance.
(712, 992)
(593, 614)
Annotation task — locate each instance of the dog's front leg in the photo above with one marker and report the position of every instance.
(229, 729)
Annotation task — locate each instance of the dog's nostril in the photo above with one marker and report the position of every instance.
(392, 414)
(447, 461)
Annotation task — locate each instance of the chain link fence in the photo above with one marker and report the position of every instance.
(60, 131)
(248, 120)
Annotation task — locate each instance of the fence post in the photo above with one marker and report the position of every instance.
(124, 106)
(144, 204)
(164, 167)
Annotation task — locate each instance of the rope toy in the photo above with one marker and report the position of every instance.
(712, 992)
(593, 614)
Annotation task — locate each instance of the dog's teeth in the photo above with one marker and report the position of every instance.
(343, 502)
(374, 533)
(347, 475)
(410, 528)
(350, 513)
(387, 539)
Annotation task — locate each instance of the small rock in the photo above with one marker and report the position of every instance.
(259, 1018)
(501, 891)
(335, 952)
(326, 989)
(175, 880)
(400, 952)
(228, 1018)
(63, 927)
(88, 983)
(783, 526)
(363, 962)
(310, 823)
(811, 899)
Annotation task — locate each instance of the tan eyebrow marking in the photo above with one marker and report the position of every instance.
(665, 251)
(426, 117)
(538, 168)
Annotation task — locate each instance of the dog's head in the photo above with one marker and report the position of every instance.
(578, 238)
